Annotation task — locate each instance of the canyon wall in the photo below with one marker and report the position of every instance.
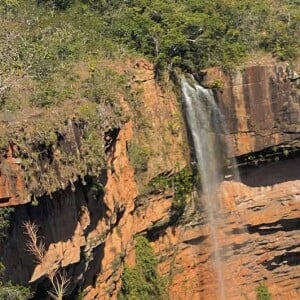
(260, 103)
(258, 232)
(89, 232)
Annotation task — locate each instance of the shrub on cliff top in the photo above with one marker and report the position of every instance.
(58, 90)
(190, 33)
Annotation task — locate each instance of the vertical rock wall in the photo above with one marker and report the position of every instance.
(259, 240)
(260, 104)
(91, 236)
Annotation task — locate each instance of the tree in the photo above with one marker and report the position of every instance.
(36, 246)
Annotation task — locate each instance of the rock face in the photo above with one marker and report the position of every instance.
(258, 231)
(90, 234)
(260, 104)
(12, 186)
(89, 230)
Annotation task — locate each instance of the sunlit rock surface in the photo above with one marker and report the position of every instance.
(259, 238)
(260, 104)
(92, 238)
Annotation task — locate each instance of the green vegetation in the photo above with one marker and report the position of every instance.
(93, 187)
(48, 38)
(193, 34)
(5, 213)
(61, 77)
(217, 84)
(272, 154)
(9, 291)
(58, 90)
(182, 184)
(262, 292)
(138, 156)
(143, 281)
(56, 54)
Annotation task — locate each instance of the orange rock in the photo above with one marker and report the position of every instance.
(259, 103)
(256, 245)
(12, 186)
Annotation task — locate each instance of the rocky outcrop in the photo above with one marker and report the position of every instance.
(89, 226)
(258, 231)
(12, 185)
(260, 104)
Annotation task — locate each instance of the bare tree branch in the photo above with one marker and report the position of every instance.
(34, 246)
(60, 283)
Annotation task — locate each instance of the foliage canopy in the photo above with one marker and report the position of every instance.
(192, 33)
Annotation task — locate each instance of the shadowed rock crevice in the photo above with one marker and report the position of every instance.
(272, 228)
(196, 241)
(94, 268)
(57, 218)
(288, 258)
(269, 167)
(94, 193)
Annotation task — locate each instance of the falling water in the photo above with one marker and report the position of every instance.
(207, 129)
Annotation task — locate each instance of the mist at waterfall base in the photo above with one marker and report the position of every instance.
(207, 131)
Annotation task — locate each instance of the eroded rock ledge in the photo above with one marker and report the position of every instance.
(258, 230)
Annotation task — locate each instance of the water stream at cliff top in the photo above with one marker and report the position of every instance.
(207, 130)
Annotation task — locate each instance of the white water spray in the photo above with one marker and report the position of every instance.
(206, 128)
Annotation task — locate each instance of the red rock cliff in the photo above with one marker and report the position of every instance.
(92, 235)
(258, 234)
(260, 104)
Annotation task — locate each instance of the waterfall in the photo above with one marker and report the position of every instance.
(207, 131)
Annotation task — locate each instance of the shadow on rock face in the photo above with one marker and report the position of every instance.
(271, 173)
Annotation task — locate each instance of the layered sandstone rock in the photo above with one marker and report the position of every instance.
(91, 236)
(12, 185)
(258, 232)
(260, 104)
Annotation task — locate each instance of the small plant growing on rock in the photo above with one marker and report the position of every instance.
(182, 184)
(8, 291)
(60, 283)
(5, 213)
(262, 292)
(138, 156)
(218, 84)
(34, 245)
